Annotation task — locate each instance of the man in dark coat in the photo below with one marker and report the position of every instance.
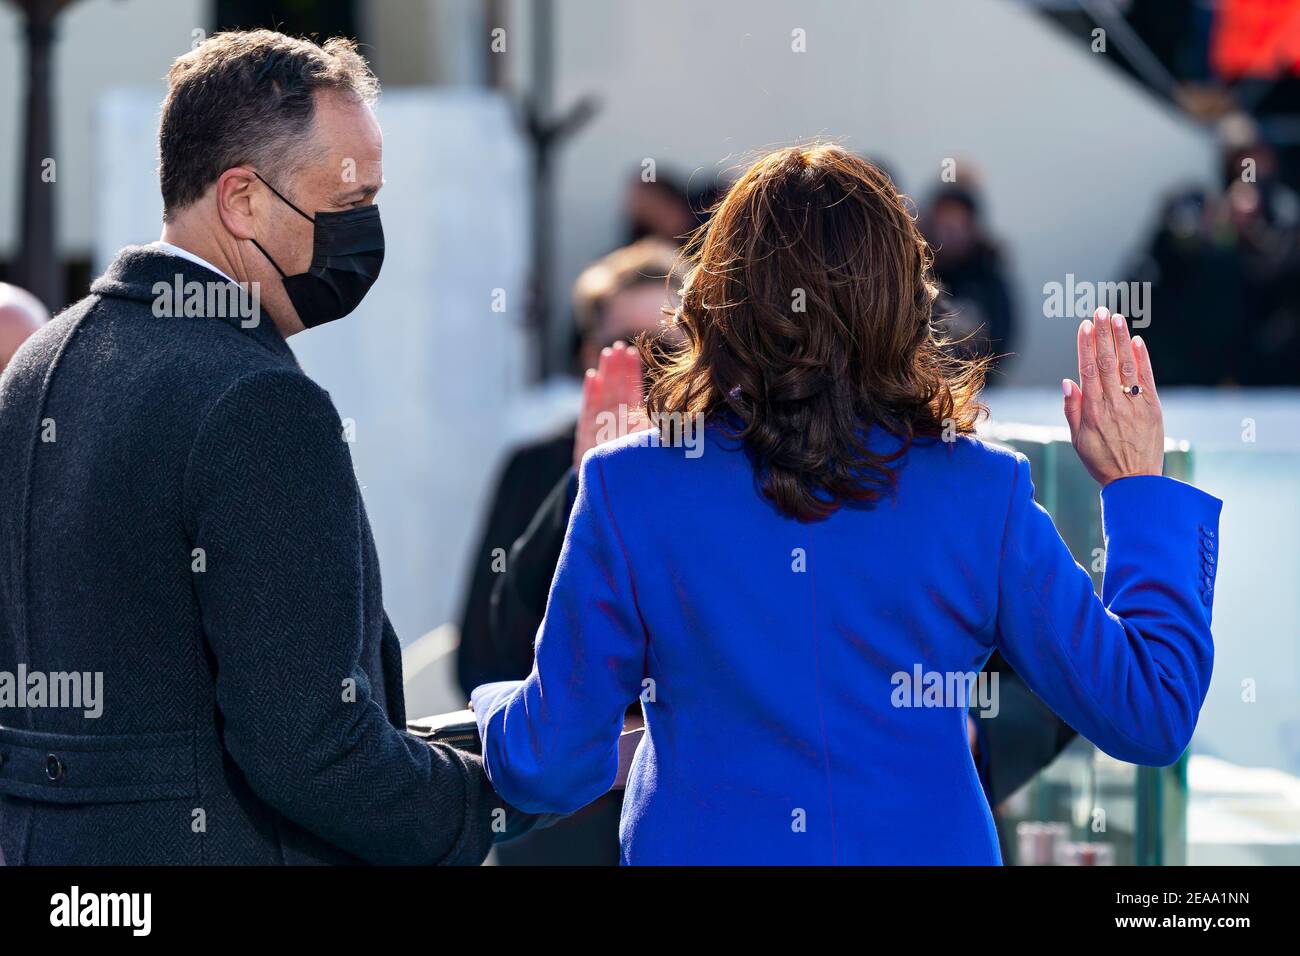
(180, 522)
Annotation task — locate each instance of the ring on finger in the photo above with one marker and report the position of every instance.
(1134, 390)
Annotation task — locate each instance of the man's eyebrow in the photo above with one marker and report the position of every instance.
(359, 192)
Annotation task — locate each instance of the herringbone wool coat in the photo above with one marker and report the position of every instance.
(179, 513)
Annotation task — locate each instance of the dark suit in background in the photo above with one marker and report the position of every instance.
(528, 475)
(490, 652)
(195, 533)
(1021, 740)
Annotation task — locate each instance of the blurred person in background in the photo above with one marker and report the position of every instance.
(1260, 216)
(21, 314)
(1225, 273)
(741, 589)
(1199, 314)
(665, 209)
(615, 299)
(974, 306)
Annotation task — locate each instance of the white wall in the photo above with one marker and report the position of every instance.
(1073, 154)
(426, 368)
(427, 371)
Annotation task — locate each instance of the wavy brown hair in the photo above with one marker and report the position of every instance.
(806, 316)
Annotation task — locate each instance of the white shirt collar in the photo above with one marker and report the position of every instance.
(197, 260)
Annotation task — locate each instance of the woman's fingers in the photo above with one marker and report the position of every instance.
(636, 377)
(635, 390)
(1142, 358)
(1124, 352)
(614, 366)
(584, 437)
(636, 373)
(606, 376)
(626, 377)
(1089, 378)
(1073, 406)
(1104, 342)
(611, 395)
(628, 391)
(1116, 436)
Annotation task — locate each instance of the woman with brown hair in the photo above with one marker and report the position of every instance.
(804, 609)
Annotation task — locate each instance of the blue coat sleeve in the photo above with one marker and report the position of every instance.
(1128, 670)
(550, 742)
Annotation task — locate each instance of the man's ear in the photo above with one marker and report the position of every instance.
(237, 195)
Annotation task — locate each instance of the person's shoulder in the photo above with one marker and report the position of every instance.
(217, 352)
(635, 463)
(274, 392)
(210, 360)
(648, 450)
(983, 452)
(28, 368)
(976, 461)
(189, 356)
(45, 341)
(633, 450)
(276, 417)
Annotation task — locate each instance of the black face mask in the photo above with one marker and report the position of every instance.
(347, 253)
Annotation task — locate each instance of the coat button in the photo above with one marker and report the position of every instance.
(54, 768)
(1207, 596)
(1208, 557)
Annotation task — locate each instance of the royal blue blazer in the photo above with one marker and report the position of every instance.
(776, 661)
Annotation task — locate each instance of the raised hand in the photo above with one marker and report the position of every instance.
(612, 393)
(1116, 424)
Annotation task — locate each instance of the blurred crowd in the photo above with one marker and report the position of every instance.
(1224, 268)
(1222, 261)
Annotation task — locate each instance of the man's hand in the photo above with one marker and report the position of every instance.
(611, 394)
(1116, 424)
